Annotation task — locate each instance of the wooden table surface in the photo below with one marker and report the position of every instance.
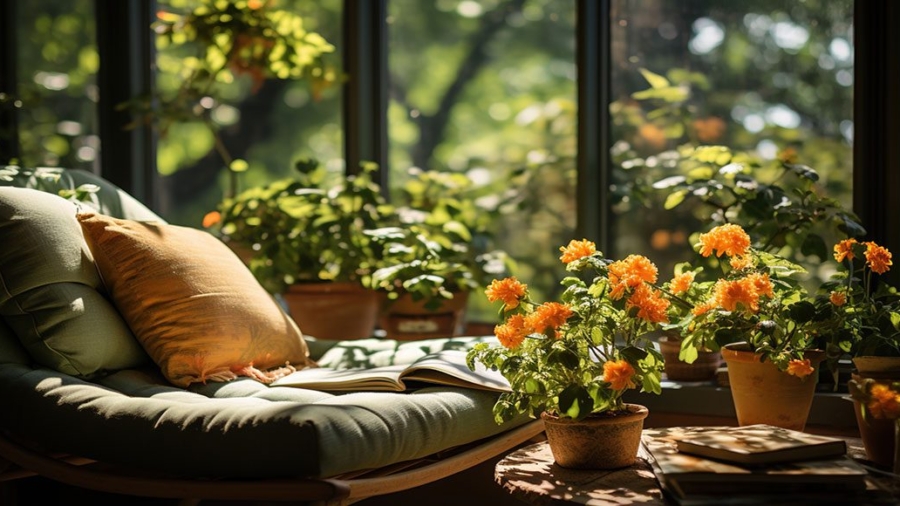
(530, 475)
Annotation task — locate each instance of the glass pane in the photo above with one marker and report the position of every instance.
(487, 89)
(247, 113)
(57, 66)
(770, 78)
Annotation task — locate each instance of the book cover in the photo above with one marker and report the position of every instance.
(447, 367)
(684, 475)
(760, 445)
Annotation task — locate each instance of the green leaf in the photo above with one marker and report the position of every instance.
(633, 354)
(655, 80)
(674, 199)
(802, 311)
(575, 402)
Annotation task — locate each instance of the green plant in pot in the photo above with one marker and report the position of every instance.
(570, 362)
(305, 239)
(857, 312)
(438, 254)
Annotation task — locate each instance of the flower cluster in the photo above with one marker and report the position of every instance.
(578, 356)
(756, 300)
(880, 399)
(857, 313)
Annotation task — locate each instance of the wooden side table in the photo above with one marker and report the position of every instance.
(530, 475)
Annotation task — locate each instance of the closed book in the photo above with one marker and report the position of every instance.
(760, 445)
(689, 477)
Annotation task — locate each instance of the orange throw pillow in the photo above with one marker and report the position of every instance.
(195, 308)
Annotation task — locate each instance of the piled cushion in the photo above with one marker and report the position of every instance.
(49, 289)
(192, 304)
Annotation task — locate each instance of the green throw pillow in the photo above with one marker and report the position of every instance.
(11, 351)
(49, 289)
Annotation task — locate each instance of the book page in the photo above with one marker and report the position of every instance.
(385, 378)
(449, 367)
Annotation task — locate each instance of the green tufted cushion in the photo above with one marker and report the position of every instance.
(11, 351)
(48, 289)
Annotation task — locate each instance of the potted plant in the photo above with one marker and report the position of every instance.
(440, 252)
(699, 359)
(858, 314)
(877, 406)
(570, 362)
(305, 238)
(758, 313)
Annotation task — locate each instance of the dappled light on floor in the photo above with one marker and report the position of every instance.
(530, 474)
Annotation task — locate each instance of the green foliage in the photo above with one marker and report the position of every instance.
(856, 312)
(780, 202)
(444, 243)
(49, 180)
(229, 40)
(308, 228)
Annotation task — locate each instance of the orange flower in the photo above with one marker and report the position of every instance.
(838, 298)
(705, 307)
(741, 262)
(650, 303)
(761, 283)
(508, 290)
(211, 218)
(577, 250)
(513, 332)
(729, 239)
(619, 374)
(709, 130)
(681, 283)
(800, 368)
(878, 258)
(549, 315)
(788, 155)
(885, 403)
(844, 249)
(732, 295)
(634, 270)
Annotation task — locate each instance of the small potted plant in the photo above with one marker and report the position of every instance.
(305, 238)
(758, 312)
(858, 314)
(570, 362)
(440, 252)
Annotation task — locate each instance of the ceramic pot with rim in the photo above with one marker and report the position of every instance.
(878, 435)
(334, 310)
(764, 394)
(405, 319)
(702, 369)
(600, 441)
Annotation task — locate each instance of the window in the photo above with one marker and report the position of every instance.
(487, 89)
(760, 77)
(248, 115)
(783, 74)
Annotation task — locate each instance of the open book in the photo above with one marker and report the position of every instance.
(447, 367)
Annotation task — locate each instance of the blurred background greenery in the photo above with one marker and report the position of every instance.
(488, 89)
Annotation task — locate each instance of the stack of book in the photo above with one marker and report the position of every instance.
(757, 464)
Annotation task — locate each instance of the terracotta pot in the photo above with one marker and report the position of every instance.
(878, 435)
(601, 441)
(764, 394)
(405, 319)
(335, 311)
(702, 369)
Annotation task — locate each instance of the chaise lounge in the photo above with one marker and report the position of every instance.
(86, 404)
